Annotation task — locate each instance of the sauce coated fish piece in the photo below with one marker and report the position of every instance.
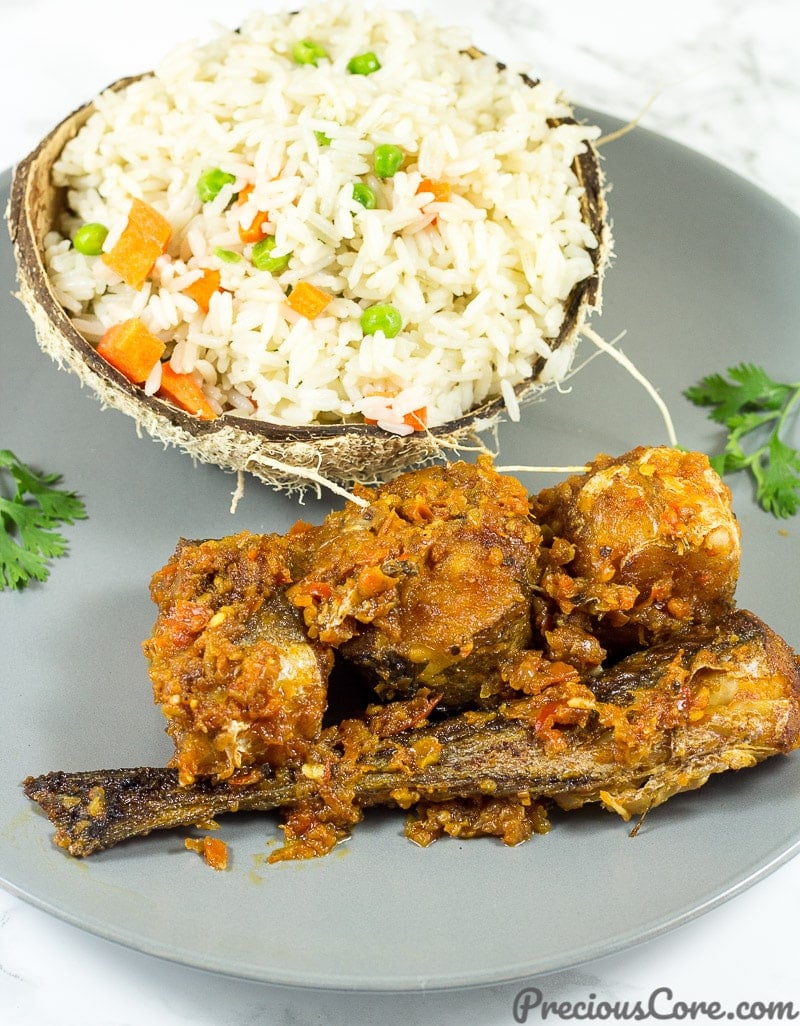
(429, 586)
(715, 698)
(236, 676)
(647, 542)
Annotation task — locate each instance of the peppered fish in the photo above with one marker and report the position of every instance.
(712, 698)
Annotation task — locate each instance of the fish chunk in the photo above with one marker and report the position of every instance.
(712, 698)
(640, 545)
(429, 586)
(236, 676)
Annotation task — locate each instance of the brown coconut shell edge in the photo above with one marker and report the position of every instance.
(291, 458)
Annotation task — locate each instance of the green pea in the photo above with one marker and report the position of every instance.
(382, 317)
(308, 52)
(89, 238)
(262, 257)
(365, 196)
(210, 183)
(363, 64)
(228, 256)
(386, 159)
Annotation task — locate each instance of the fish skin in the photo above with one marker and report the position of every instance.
(754, 674)
(134, 802)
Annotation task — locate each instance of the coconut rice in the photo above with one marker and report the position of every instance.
(480, 278)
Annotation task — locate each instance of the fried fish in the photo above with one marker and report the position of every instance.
(711, 698)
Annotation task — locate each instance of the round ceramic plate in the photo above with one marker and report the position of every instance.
(705, 277)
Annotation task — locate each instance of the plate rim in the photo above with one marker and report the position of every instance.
(454, 981)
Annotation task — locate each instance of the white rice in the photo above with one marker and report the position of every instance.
(479, 280)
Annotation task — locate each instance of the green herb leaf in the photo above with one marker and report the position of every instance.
(755, 409)
(780, 479)
(29, 515)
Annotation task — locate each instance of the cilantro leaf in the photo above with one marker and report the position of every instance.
(30, 513)
(755, 409)
(779, 480)
(751, 389)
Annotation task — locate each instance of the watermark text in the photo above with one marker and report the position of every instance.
(531, 1005)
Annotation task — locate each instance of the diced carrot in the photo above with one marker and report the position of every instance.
(307, 300)
(132, 348)
(204, 288)
(417, 419)
(183, 390)
(441, 190)
(253, 232)
(141, 243)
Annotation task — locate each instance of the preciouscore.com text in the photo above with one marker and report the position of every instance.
(530, 1004)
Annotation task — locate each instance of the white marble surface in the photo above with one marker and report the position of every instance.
(726, 79)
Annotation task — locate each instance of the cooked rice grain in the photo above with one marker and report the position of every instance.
(480, 279)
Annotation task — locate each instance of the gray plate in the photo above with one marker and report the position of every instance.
(705, 276)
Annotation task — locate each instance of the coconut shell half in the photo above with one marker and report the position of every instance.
(287, 457)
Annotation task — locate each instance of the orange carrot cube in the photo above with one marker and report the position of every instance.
(132, 348)
(183, 390)
(417, 419)
(141, 243)
(253, 232)
(307, 300)
(204, 288)
(441, 190)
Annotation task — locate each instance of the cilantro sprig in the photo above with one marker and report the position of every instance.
(30, 512)
(755, 409)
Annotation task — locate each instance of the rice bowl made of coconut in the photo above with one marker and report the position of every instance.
(472, 242)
